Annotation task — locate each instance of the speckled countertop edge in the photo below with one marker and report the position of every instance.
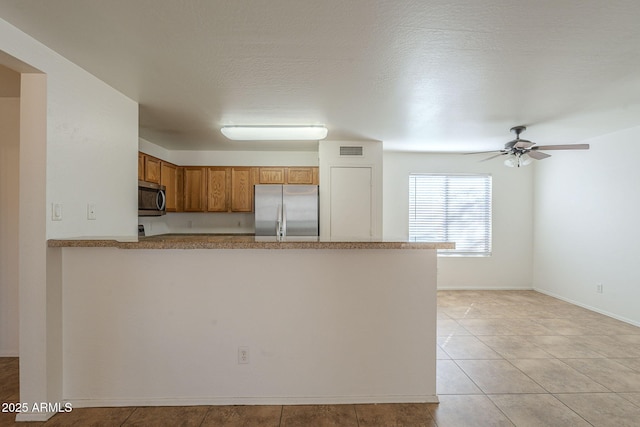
(237, 242)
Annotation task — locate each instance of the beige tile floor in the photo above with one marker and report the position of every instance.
(505, 358)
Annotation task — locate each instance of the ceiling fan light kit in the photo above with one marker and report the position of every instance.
(275, 133)
(522, 152)
(518, 160)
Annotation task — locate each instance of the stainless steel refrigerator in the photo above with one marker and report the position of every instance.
(286, 210)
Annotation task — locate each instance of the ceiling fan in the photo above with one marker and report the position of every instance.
(522, 152)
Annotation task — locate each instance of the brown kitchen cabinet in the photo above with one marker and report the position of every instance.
(141, 166)
(302, 175)
(217, 189)
(230, 189)
(242, 189)
(171, 178)
(195, 189)
(271, 175)
(152, 169)
(288, 175)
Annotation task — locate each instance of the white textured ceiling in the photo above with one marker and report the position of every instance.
(423, 75)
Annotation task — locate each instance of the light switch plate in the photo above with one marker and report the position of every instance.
(56, 211)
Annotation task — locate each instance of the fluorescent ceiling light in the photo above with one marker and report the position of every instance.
(274, 133)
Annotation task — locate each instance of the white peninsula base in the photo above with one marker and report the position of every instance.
(164, 327)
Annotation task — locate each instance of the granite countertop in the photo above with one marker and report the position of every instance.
(232, 241)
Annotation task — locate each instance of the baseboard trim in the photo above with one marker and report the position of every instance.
(33, 416)
(482, 288)
(219, 401)
(588, 307)
(9, 353)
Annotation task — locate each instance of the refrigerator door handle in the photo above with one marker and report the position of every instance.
(279, 223)
(284, 220)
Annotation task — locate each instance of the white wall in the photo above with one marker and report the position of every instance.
(199, 222)
(340, 326)
(153, 150)
(509, 267)
(9, 201)
(78, 144)
(91, 155)
(586, 225)
(40, 321)
(92, 143)
(243, 158)
(229, 158)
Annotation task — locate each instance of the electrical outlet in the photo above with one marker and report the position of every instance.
(599, 288)
(91, 211)
(243, 355)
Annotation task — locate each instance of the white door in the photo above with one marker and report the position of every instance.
(351, 202)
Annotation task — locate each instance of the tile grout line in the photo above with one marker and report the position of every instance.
(547, 392)
(125, 420)
(205, 415)
(355, 411)
(553, 357)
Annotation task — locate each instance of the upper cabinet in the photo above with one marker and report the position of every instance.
(306, 176)
(195, 189)
(271, 175)
(288, 175)
(152, 169)
(242, 182)
(141, 158)
(230, 189)
(171, 178)
(216, 188)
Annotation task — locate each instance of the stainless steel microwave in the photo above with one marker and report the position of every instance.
(152, 200)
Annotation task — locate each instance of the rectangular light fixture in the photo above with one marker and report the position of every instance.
(274, 133)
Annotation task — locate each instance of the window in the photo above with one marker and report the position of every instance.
(451, 208)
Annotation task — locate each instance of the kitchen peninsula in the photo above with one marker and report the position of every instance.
(205, 319)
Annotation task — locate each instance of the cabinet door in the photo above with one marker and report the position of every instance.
(180, 189)
(152, 169)
(271, 176)
(195, 189)
(241, 190)
(141, 166)
(300, 176)
(217, 194)
(169, 178)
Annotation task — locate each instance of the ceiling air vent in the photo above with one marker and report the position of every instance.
(351, 151)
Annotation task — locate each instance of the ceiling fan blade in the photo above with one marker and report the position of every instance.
(523, 143)
(562, 147)
(538, 155)
(484, 152)
(493, 157)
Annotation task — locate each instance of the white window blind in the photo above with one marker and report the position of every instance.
(451, 208)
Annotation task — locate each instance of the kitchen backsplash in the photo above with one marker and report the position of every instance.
(187, 223)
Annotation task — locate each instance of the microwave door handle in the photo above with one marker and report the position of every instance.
(160, 200)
